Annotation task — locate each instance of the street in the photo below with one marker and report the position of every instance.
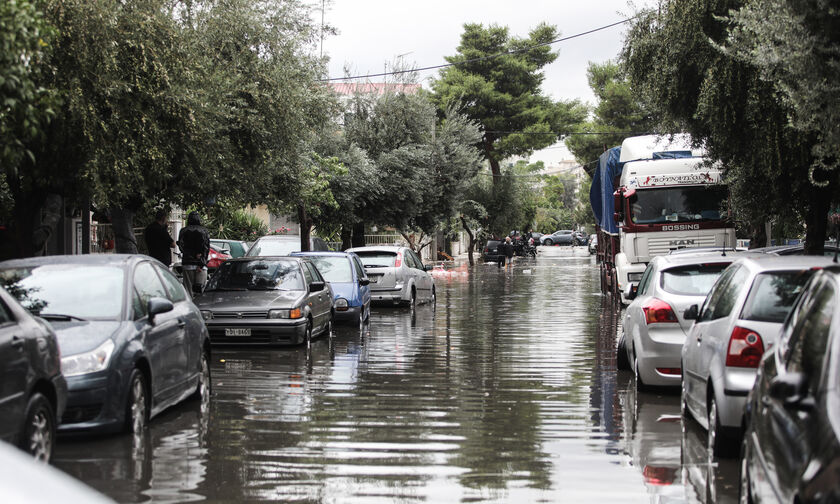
(506, 391)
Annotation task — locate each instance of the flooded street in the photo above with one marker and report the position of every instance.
(505, 392)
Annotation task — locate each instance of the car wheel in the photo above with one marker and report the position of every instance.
(307, 335)
(549, 242)
(640, 384)
(137, 412)
(360, 320)
(39, 428)
(412, 303)
(433, 299)
(621, 360)
(745, 493)
(203, 389)
(329, 329)
(684, 412)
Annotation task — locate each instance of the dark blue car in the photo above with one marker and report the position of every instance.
(132, 342)
(350, 284)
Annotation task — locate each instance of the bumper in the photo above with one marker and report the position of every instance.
(351, 314)
(737, 383)
(94, 403)
(662, 348)
(263, 332)
(392, 295)
(60, 386)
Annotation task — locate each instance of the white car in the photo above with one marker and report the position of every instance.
(738, 321)
(654, 325)
(397, 275)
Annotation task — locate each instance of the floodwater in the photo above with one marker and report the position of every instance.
(506, 391)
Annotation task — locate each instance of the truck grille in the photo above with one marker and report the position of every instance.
(660, 246)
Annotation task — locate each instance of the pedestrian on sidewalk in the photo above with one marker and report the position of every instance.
(158, 240)
(194, 242)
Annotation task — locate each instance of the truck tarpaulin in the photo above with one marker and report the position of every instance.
(602, 189)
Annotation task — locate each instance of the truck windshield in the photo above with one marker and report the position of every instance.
(677, 204)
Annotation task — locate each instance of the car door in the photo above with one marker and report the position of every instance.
(325, 296)
(315, 299)
(14, 369)
(165, 343)
(791, 425)
(189, 319)
(424, 279)
(634, 318)
(364, 290)
(696, 356)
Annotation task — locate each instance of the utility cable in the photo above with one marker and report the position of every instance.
(483, 58)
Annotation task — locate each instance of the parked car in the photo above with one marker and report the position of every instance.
(562, 237)
(215, 257)
(397, 275)
(283, 245)
(491, 251)
(738, 321)
(830, 248)
(654, 324)
(132, 342)
(791, 446)
(267, 301)
(233, 248)
(593, 243)
(33, 392)
(349, 282)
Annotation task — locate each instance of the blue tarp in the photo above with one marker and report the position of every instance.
(601, 192)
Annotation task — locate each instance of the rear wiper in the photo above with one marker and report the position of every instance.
(236, 289)
(376, 265)
(59, 316)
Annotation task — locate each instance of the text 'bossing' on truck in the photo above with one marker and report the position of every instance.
(652, 195)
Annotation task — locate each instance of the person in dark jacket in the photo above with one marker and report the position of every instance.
(508, 252)
(158, 240)
(194, 242)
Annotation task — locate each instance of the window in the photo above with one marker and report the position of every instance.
(360, 271)
(307, 273)
(316, 275)
(707, 311)
(772, 295)
(147, 283)
(5, 314)
(418, 263)
(333, 268)
(691, 280)
(645, 281)
(138, 307)
(175, 289)
(677, 204)
(257, 274)
(810, 336)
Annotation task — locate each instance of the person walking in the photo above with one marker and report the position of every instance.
(508, 253)
(194, 242)
(158, 240)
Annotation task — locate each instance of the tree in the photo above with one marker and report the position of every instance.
(497, 79)
(680, 58)
(619, 113)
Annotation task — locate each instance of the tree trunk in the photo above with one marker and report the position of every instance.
(346, 237)
(305, 227)
(816, 222)
(359, 234)
(758, 234)
(122, 222)
(472, 240)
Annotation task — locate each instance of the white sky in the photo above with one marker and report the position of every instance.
(374, 33)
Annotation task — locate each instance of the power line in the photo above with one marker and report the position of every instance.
(570, 133)
(483, 58)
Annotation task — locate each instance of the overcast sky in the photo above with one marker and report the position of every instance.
(374, 33)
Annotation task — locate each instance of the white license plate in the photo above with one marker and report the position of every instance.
(237, 332)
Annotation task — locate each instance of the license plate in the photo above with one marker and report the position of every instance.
(373, 279)
(237, 332)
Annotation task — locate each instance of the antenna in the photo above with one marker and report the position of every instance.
(725, 236)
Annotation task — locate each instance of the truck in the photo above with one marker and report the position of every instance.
(652, 195)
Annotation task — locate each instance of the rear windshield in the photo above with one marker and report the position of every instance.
(333, 269)
(257, 275)
(274, 247)
(378, 259)
(772, 295)
(692, 280)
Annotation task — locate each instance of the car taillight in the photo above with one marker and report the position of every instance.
(745, 348)
(658, 312)
(398, 261)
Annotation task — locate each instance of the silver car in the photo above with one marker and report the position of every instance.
(738, 321)
(397, 275)
(654, 325)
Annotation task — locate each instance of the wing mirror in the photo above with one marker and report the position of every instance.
(158, 305)
(691, 313)
(428, 267)
(364, 281)
(316, 286)
(631, 291)
(792, 390)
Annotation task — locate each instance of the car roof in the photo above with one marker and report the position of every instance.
(377, 248)
(773, 262)
(280, 237)
(699, 257)
(265, 258)
(80, 259)
(322, 253)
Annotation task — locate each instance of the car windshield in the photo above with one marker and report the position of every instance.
(692, 280)
(772, 295)
(257, 275)
(677, 204)
(378, 259)
(333, 268)
(68, 291)
(274, 247)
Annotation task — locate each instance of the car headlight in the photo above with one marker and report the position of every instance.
(634, 277)
(207, 314)
(341, 304)
(294, 313)
(88, 362)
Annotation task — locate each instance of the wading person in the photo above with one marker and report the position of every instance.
(194, 242)
(508, 253)
(158, 240)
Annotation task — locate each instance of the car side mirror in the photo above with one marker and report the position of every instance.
(691, 313)
(428, 267)
(158, 305)
(316, 286)
(792, 390)
(364, 281)
(631, 291)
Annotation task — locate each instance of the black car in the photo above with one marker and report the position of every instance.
(791, 447)
(132, 342)
(491, 252)
(33, 392)
(267, 301)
